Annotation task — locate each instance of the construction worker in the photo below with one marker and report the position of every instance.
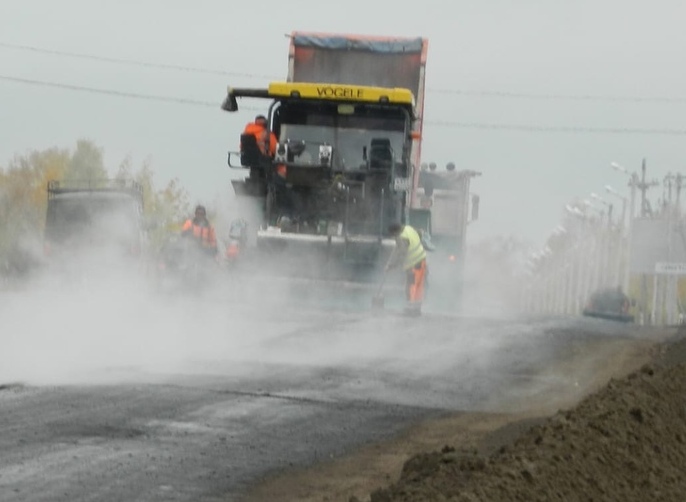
(258, 128)
(411, 253)
(200, 229)
(238, 237)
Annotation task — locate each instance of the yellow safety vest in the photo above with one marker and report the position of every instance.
(415, 250)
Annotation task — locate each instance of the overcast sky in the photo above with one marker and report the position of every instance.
(515, 53)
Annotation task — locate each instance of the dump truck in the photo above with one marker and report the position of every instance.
(392, 62)
(349, 121)
(94, 223)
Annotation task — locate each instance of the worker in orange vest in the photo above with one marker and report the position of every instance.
(200, 229)
(258, 128)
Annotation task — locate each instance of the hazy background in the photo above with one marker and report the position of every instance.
(504, 81)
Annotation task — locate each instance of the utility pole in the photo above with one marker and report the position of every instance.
(679, 184)
(621, 244)
(672, 300)
(643, 186)
(637, 184)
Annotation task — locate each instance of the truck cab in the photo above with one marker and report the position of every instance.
(94, 222)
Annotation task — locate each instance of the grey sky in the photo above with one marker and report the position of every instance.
(603, 48)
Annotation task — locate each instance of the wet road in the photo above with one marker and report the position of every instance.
(117, 396)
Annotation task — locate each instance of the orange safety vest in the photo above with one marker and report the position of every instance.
(204, 234)
(260, 133)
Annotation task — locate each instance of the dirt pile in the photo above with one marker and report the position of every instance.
(626, 442)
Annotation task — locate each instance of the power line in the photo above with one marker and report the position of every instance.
(190, 69)
(456, 92)
(110, 92)
(558, 129)
(120, 94)
(561, 97)
(439, 123)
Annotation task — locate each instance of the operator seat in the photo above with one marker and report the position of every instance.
(380, 154)
(250, 152)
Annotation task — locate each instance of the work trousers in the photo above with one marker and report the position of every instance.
(416, 283)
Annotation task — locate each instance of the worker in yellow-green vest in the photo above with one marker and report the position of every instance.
(409, 251)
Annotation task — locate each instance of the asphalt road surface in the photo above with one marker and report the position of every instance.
(114, 394)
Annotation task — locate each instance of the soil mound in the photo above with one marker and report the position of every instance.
(626, 442)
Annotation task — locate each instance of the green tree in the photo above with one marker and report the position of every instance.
(125, 169)
(23, 193)
(86, 162)
(172, 205)
(144, 176)
(23, 196)
(164, 208)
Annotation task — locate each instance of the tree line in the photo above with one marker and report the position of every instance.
(23, 196)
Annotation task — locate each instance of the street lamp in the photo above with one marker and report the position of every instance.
(633, 184)
(606, 204)
(618, 272)
(567, 267)
(575, 211)
(614, 192)
(586, 259)
(559, 230)
(588, 204)
(599, 252)
(619, 168)
(607, 239)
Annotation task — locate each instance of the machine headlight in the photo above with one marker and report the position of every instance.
(281, 154)
(325, 155)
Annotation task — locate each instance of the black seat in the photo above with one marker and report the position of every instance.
(380, 154)
(250, 152)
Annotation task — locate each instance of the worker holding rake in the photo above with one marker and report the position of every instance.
(410, 253)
